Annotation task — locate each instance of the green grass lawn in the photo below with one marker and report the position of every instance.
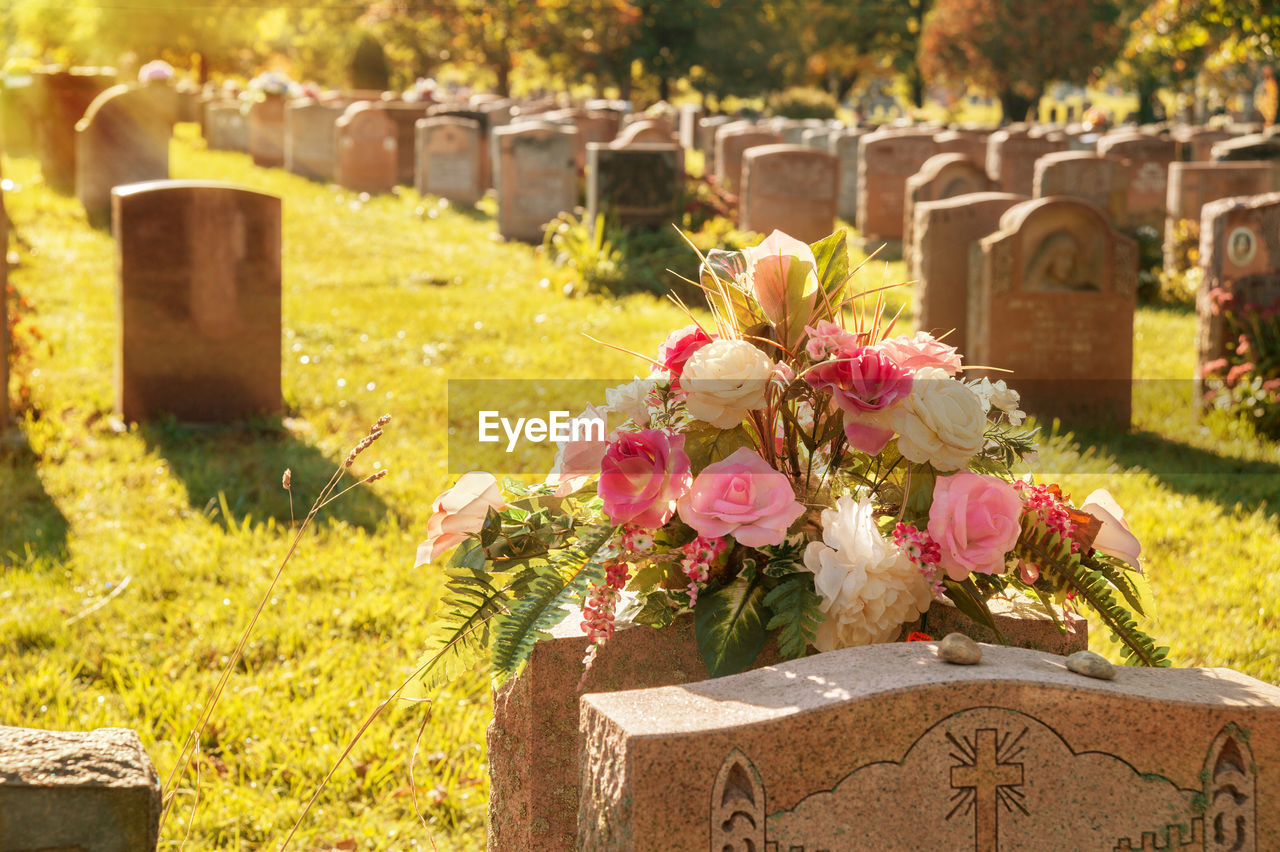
(384, 300)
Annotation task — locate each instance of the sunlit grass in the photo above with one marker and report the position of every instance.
(384, 300)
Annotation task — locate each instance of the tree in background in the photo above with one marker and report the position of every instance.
(747, 48)
(844, 41)
(1016, 47)
(369, 68)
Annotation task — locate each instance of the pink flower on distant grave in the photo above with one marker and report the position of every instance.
(155, 71)
(579, 460)
(741, 496)
(921, 350)
(679, 346)
(784, 281)
(976, 521)
(1215, 366)
(827, 339)
(459, 513)
(642, 475)
(1238, 371)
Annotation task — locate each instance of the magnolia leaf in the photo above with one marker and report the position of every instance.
(653, 608)
(729, 624)
(705, 444)
(832, 255)
(970, 601)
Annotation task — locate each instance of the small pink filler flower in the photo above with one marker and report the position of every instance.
(742, 496)
(459, 513)
(975, 520)
(641, 477)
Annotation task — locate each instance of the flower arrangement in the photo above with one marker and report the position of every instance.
(271, 84)
(1246, 383)
(155, 71)
(789, 469)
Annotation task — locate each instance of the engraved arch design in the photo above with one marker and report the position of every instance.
(1230, 790)
(737, 806)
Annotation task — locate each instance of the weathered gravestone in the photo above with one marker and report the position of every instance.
(886, 158)
(448, 154)
(404, 115)
(123, 138)
(844, 145)
(367, 158)
(1100, 180)
(706, 137)
(310, 138)
(971, 143)
(647, 131)
(199, 302)
(1240, 257)
(4, 316)
(61, 97)
(687, 125)
(944, 231)
(1255, 146)
(63, 791)
(487, 120)
(534, 740)
(1148, 158)
(1193, 185)
(1195, 144)
(226, 126)
(889, 748)
(1052, 300)
(941, 176)
(18, 114)
(636, 186)
(1011, 158)
(732, 141)
(266, 131)
(535, 176)
(789, 188)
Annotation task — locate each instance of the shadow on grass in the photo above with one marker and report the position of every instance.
(31, 525)
(1189, 470)
(244, 464)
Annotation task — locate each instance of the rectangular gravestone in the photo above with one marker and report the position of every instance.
(636, 186)
(1100, 180)
(944, 231)
(888, 748)
(266, 131)
(1195, 144)
(1240, 258)
(941, 176)
(4, 316)
(844, 144)
(310, 138)
(488, 120)
(971, 143)
(1148, 158)
(731, 141)
(789, 188)
(706, 138)
(226, 126)
(367, 158)
(199, 266)
(1051, 298)
(61, 99)
(123, 138)
(63, 791)
(886, 159)
(534, 740)
(1193, 185)
(535, 176)
(405, 115)
(448, 159)
(1011, 158)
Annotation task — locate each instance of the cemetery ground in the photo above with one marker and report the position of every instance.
(384, 300)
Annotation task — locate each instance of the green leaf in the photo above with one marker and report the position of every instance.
(796, 616)
(458, 636)
(832, 255)
(653, 608)
(971, 602)
(729, 624)
(705, 444)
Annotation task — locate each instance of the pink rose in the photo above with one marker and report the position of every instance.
(741, 495)
(920, 350)
(459, 513)
(827, 339)
(641, 477)
(577, 461)
(976, 521)
(679, 346)
(783, 281)
(861, 379)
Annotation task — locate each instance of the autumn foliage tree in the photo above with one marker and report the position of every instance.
(1015, 48)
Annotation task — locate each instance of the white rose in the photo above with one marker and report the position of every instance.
(632, 399)
(869, 587)
(1001, 396)
(942, 422)
(724, 380)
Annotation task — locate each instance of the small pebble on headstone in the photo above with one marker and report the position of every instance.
(960, 649)
(1090, 664)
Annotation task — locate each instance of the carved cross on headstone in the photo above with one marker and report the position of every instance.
(982, 771)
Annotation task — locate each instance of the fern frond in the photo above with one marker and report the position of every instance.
(460, 632)
(542, 602)
(796, 616)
